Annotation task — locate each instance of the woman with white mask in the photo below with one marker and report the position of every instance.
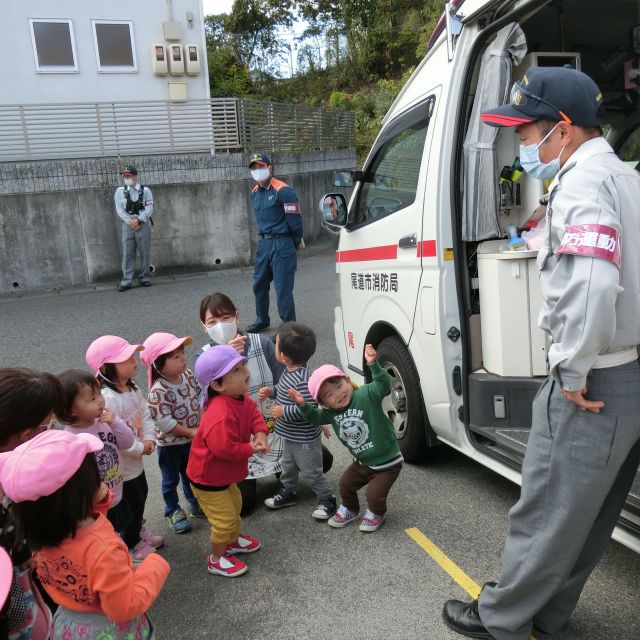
(220, 321)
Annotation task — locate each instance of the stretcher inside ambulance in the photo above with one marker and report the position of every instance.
(423, 262)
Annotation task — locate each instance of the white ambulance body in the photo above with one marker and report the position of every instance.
(455, 321)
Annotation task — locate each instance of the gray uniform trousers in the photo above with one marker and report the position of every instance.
(306, 457)
(578, 468)
(131, 241)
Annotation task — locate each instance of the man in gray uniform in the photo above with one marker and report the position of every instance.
(134, 206)
(584, 447)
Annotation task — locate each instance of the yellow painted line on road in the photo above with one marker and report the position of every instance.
(471, 587)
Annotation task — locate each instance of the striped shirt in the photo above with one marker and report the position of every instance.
(292, 426)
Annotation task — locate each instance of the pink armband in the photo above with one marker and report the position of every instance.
(593, 240)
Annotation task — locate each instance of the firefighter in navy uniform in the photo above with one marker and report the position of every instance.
(279, 237)
(584, 446)
(134, 206)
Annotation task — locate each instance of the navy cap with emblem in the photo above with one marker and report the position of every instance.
(130, 169)
(259, 158)
(550, 93)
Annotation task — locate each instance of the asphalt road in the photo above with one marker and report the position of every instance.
(308, 580)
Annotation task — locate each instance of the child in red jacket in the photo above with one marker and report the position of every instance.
(231, 430)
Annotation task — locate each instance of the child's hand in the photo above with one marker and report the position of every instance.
(296, 396)
(107, 416)
(326, 430)
(277, 411)
(192, 433)
(148, 447)
(265, 392)
(260, 442)
(370, 354)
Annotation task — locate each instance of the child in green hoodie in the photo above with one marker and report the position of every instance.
(357, 418)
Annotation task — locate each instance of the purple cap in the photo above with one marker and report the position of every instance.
(216, 362)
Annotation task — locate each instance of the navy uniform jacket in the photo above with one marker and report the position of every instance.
(277, 209)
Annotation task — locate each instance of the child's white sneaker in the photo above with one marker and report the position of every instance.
(370, 521)
(342, 517)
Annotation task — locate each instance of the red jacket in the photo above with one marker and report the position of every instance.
(220, 448)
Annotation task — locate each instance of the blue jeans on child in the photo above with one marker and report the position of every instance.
(172, 460)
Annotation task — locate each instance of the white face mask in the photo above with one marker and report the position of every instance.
(223, 332)
(128, 181)
(260, 175)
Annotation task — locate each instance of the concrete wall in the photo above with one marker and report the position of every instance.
(24, 85)
(58, 227)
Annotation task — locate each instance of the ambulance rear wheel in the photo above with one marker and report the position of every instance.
(403, 405)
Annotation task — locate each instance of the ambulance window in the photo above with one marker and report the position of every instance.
(391, 180)
(630, 149)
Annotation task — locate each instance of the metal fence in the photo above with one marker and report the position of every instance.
(81, 130)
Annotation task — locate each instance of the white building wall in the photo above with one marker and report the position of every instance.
(22, 84)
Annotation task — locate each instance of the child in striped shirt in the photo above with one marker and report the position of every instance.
(302, 450)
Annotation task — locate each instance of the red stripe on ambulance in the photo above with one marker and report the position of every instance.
(426, 249)
(386, 252)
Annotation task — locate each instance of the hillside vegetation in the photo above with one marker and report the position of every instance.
(354, 54)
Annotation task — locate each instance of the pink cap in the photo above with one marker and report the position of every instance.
(109, 349)
(40, 466)
(320, 375)
(158, 344)
(6, 576)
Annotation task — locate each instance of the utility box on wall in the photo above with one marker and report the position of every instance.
(178, 91)
(192, 59)
(159, 63)
(176, 60)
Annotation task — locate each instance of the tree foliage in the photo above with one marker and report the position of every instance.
(370, 48)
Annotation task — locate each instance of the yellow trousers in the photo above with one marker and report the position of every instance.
(222, 509)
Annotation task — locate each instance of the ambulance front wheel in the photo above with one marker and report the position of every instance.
(403, 405)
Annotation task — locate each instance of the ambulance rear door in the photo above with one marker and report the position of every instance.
(380, 251)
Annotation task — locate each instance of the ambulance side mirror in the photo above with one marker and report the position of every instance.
(346, 178)
(333, 211)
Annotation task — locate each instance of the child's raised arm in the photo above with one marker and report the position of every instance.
(380, 384)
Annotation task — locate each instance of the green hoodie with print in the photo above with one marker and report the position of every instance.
(363, 427)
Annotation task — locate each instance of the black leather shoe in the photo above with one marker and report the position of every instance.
(145, 283)
(463, 618)
(256, 327)
(124, 287)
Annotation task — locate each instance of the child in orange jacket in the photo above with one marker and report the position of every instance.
(54, 482)
(231, 430)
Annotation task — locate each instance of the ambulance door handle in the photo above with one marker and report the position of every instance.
(408, 242)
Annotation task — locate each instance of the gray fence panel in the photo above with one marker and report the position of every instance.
(78, 130)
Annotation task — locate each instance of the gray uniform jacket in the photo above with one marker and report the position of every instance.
(590, 306)
(134, 194)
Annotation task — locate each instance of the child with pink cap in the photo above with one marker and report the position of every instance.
(113, 361)
(174, 403)
(231, 430)
(364, 428)
(81, 562)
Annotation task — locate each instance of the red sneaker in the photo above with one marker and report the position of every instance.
(226, 566)
(245, 544)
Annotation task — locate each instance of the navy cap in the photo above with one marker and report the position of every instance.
(130, 169)
(550, 93)
(259, 158)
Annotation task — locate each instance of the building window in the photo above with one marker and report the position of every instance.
(115, 49)
(54, 48)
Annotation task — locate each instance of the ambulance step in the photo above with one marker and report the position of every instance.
(510, 442)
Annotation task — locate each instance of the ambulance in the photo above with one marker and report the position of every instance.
(424, 270)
